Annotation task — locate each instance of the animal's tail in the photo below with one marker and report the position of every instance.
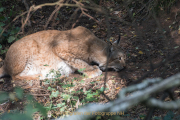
(2, 72)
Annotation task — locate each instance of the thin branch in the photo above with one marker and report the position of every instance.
(163, 105)
(57, 9)
(34, 8)
(27, 18)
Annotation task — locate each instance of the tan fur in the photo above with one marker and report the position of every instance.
(36, 54)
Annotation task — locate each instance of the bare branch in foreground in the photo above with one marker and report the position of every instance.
(163, 105)
(125, 102)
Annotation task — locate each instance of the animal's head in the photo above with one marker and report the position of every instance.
(117, 58)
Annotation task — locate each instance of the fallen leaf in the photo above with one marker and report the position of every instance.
(118, 88)
(176, 47)
(94, 26)
(140, 52)
(134, 55)
(111, 39)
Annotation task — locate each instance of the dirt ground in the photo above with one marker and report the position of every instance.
(153, 41)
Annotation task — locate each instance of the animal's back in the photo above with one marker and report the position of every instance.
(33, 54)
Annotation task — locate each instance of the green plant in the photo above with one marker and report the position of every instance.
(70, 96)
(9, 35)
(65, 97)
(31, 107)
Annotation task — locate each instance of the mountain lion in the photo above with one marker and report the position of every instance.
(37, 54)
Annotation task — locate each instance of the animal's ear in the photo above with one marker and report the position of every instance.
(117, 41)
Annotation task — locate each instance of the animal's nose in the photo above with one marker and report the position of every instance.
(124, 65)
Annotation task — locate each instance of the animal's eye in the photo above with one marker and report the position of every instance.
(119, 58)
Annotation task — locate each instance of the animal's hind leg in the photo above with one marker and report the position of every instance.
(26, 82)
(18, 56)
(26, 77)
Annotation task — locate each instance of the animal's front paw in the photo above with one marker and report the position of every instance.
(93, 73)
